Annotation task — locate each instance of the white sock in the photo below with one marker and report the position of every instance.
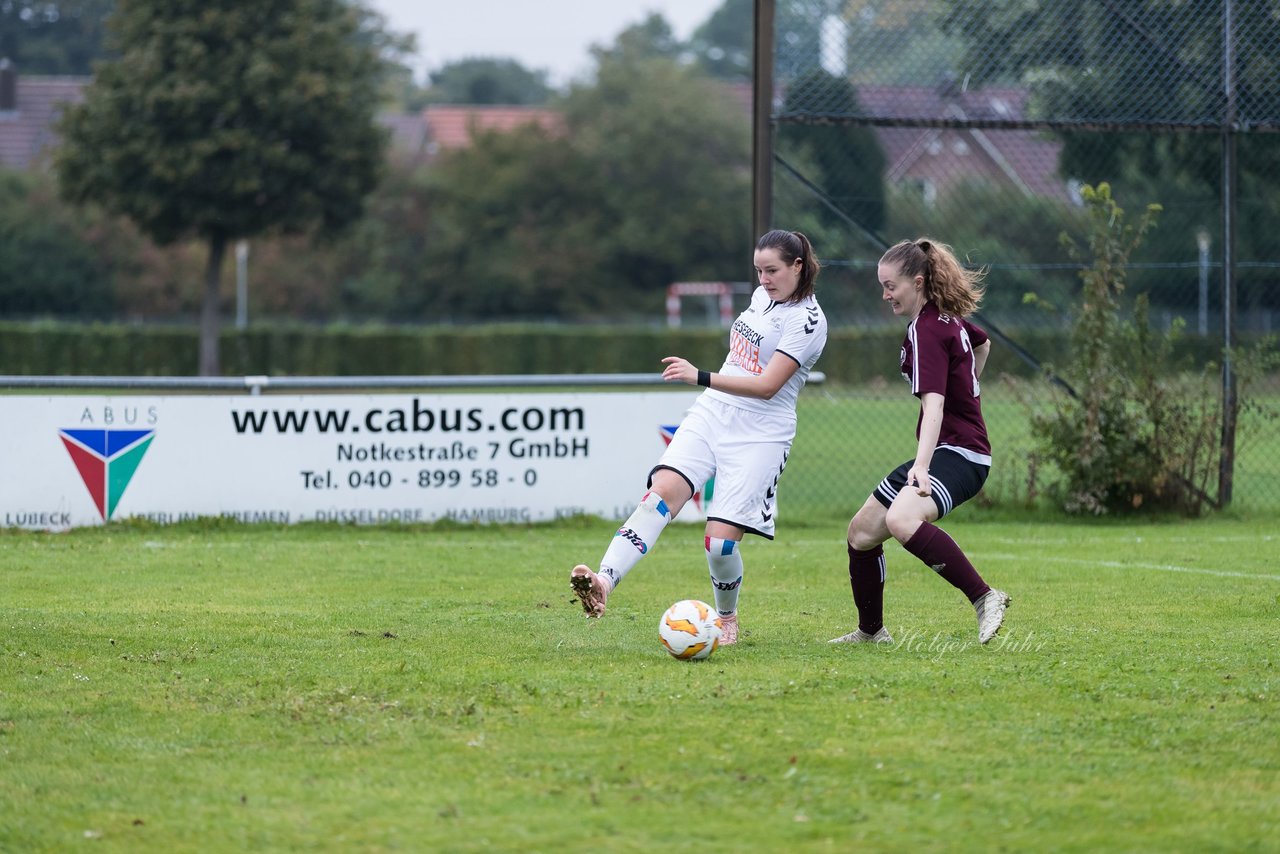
(725, 559)
(634, 539)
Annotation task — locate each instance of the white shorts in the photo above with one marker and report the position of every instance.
(744, 451)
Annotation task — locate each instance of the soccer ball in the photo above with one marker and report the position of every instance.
(690, 630)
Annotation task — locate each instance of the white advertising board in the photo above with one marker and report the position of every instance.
(77, 460)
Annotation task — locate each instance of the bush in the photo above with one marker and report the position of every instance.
(46, 266)
(853, 357)
(1138, 432)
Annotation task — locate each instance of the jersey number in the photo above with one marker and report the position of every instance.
(973, 363)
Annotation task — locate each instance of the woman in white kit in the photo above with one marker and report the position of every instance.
(739, 431)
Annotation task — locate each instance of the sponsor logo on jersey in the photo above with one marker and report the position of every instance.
(744, 347)
(749, 334)
(107, 461)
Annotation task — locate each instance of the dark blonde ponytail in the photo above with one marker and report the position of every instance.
(952, 287)
(791, 245)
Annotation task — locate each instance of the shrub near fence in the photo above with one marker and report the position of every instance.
(852, 357)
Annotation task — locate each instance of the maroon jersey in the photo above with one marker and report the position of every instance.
(937, 356)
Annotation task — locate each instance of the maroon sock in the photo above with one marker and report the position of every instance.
(932, 545)
(866, 577)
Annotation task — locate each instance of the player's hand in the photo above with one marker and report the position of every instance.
(679, 370)
(919, 478)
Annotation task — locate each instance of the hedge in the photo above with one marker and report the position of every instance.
(852, 356)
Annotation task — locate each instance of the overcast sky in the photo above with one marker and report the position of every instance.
(543, 35)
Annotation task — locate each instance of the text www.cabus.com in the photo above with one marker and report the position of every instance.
(414, 418)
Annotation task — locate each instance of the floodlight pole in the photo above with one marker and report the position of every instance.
(762, 121)
(1230, 400)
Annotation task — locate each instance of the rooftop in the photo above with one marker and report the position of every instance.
(27, 134)
(452, 125)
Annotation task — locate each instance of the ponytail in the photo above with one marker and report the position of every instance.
(952, 287)
(791, 245)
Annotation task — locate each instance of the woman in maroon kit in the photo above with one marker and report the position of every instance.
(942, 357)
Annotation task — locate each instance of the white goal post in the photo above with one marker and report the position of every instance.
(719, 297)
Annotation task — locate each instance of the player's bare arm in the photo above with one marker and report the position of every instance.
(931, 404)
(780, 369)
(980, 354)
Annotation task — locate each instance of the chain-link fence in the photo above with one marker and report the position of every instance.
(978, 123)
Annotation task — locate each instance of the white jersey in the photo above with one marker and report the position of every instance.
(797, 331)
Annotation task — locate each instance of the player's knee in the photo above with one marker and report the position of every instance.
(655, 502)
(671, 489)
(865, 531)
(901, 522)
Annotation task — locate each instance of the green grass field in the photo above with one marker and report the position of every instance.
(224, 688)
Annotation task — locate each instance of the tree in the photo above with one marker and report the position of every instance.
(647, 183)
(488, 81)
(724, 44)
(886, 44)
(46, 264)
(849, 159)
(54, 36)
(669, 151)
(652, 38)
(990, 222)
(222, 120)
(1138, 436)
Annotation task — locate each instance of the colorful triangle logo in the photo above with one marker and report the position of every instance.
(106, 460)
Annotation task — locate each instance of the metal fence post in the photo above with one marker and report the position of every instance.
(762, 121)
(1230, 401)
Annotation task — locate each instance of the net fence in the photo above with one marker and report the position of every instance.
(980, 123)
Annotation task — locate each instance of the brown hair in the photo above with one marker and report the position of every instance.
(952, 287)
(790, 246)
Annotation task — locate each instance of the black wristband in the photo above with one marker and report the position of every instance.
(704, 378)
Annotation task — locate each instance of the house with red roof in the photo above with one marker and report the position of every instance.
(451, 126)
(30, 107)
(933, 159)
(936, 159)
(29, 111)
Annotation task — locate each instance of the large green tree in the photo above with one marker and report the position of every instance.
(222, 120)
(895, 43)
(669, 149)
(47, 265)
(53, 36)
(849, 161)
(487, 81)
(647, 182)
(723, 45)
(649, 39)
